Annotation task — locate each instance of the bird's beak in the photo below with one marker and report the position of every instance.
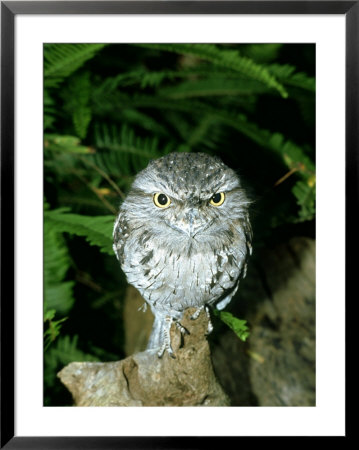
(191, 222)
(192, 219)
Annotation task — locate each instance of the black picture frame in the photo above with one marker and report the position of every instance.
(9, 10)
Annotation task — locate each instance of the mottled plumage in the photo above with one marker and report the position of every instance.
(182, 237)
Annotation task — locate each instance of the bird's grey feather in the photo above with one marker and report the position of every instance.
(191, 253)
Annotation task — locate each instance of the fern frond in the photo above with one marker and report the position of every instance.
(262, 53)
(141, 77)
(305, 195)
(53, 328)
(50, 111)
(145, 78)
(287, 74)
(65, 144)
(58, 294)
(154, 79)
(206, 135)
(125, 140)
(76, 97)
(122, 152)
(189, 108)
(67, 351)
(48, 121)
(155, 102)
(213, 87)
(301, 80)
(97, 230)
(229, 59)
(81, 119)
(145, 121)
(178, 124)
(61, 60)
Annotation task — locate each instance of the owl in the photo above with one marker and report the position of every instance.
(182, 237)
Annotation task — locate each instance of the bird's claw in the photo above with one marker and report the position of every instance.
(166, 336)
(169, 351)
(209, 327)
(182, 329)
(196, 314)
(166, 342)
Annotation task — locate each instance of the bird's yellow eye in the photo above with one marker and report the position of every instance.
(161, 200)
(217, 199)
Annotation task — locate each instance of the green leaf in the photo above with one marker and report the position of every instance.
(49, 314)
(239, 326)
(65, 144)
(53, 331)
(97, 230)
(305, 194)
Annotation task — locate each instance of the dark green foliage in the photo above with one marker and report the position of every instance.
(64, 351)
(77, 103)
(67, 144)
(109, 110)
(61, 60)
(97, 230)
(53, 327)
(228, 59)
(58, 292)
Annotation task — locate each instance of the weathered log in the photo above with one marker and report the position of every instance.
(143, 379)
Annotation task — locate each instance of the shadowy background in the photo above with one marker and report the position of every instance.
(108, 110)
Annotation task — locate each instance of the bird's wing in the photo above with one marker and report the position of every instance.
(119, 235)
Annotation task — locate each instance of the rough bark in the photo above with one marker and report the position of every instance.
(143, 379)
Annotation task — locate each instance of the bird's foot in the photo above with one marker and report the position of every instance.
(196, 314)
(182, 329)
(166, 343)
